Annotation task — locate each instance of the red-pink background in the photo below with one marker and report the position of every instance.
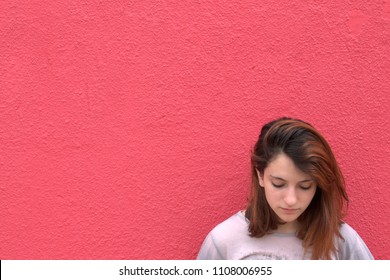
(126, 126)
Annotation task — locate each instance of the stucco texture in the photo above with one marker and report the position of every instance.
(126, 126)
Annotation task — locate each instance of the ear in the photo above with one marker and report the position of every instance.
(260, 177)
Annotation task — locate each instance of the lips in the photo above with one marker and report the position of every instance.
(289, 210)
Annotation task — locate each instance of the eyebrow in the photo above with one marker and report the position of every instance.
(275, 177)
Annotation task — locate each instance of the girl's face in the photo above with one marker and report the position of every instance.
(288, 190)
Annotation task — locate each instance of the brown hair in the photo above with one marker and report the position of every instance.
(307, 148)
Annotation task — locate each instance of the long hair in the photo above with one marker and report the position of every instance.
(310, 152)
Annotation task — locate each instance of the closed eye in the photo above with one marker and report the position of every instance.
(305, 188)
(277, 186)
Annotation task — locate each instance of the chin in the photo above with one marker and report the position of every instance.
(288, 219)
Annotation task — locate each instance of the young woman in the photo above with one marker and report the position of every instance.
(296, 204)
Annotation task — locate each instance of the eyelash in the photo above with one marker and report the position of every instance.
(279, 186)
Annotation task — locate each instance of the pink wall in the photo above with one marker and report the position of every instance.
(126, 126)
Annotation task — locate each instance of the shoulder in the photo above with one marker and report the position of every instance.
(350, 246)
(234, 225)
(228, 232)
(347, 232)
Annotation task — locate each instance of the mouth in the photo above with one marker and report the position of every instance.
(289, 210)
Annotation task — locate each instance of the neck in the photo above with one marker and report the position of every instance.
(291, 227)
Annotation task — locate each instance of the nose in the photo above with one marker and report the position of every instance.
(290, 196)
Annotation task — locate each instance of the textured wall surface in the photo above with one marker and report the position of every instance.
(126, 126)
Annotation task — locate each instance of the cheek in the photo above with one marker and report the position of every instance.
(309, 196)
(271, 193)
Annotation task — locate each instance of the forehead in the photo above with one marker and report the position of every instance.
(283, 167)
